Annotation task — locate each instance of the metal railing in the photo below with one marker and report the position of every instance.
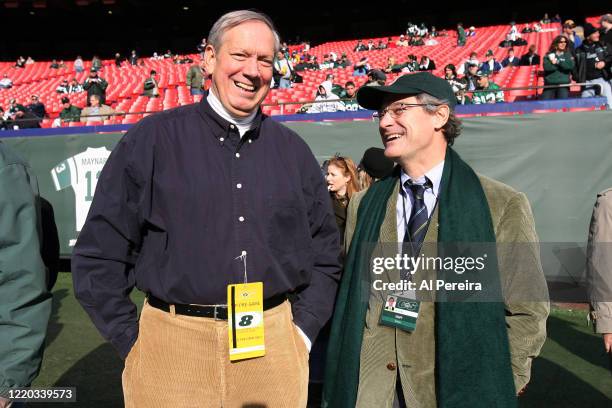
(283, 104)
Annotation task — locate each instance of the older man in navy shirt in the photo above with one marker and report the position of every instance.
(198, 198)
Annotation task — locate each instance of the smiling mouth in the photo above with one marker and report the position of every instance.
(245, 87)
(390, 138)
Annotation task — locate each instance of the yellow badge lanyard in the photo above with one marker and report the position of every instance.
(245, 318)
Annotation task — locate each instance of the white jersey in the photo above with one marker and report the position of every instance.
(81, 172)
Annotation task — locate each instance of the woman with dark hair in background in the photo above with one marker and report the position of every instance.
(341, 180)
(558, 66)
(459, 85)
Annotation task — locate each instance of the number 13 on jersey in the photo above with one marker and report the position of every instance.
(245, 321)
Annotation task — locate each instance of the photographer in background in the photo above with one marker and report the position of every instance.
(94, 85)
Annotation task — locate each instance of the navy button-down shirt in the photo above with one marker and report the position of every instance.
(182, 196)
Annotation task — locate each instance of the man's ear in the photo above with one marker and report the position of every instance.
(210, 59)
(441, 116)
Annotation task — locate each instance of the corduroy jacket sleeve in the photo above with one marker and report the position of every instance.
(524, 286)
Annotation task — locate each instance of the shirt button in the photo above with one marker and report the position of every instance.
(238, 185)
(241, 219)
(243, 252)
(250, 141)
(237, 154)
(232, 127)
(221, 139)
(391, 367)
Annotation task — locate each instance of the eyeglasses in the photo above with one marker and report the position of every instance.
(395, 111)
(563, 42)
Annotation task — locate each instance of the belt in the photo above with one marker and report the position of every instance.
(217, 312)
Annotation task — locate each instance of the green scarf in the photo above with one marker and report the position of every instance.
(472, 351)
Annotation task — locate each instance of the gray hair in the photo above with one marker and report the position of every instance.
(235, 18)
(452, 128)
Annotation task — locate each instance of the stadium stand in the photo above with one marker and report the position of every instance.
(125, 82)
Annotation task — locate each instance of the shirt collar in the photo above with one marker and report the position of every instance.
(221, 125)
(434, 175)
(218, 107)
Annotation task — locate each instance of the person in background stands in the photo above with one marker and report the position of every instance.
(195, 80)
(426, 64)
(606, 29)
(511, 60)
(473, 59)
(37, 107)
(94, 85)
(471, 78)
(568, 32)
(20, 63)
(461, 37)
(350, 95)
(402, 41)
(6, 82)
(96, 63)
(558, 66)
(133, 58)
(69, 113)
(530, 58)
(360, 46)
(62, 88)
(325, 101)
(79, 66)
(75, 87)
(362, 67)
(487, 91)
(150, 85)
(490, 65)
(284, 70)
(459, 85)
(96, 111)
(593, 61)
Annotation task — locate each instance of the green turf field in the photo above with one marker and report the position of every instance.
(571, 372)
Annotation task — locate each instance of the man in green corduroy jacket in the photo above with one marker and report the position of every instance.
(434, 349)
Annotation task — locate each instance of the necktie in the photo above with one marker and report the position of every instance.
(417, 222)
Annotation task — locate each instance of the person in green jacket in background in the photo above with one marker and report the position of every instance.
(70, 113)
(460, 35)
(487, 91)
(195, 80)
(558, 66)
(25, 303)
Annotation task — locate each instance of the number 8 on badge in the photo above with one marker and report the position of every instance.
(245, 321)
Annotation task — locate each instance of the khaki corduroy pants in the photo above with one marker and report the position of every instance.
(183, 361)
